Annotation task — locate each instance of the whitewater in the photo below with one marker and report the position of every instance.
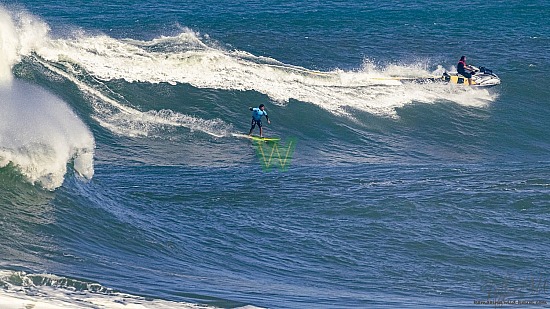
(39, 134)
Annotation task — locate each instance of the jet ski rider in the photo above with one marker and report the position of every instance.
(465, 70)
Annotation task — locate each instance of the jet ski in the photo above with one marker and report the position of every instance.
(481, 77)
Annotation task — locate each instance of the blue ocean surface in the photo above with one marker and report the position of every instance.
(126, 180)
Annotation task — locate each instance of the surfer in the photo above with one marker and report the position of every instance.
(257, 113)
(461, 68)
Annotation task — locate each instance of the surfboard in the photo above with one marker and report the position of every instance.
(257, 138)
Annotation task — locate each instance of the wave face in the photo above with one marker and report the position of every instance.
(126, 179)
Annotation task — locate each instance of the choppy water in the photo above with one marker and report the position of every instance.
(123, 182)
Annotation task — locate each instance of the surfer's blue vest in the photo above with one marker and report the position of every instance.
(258, 113)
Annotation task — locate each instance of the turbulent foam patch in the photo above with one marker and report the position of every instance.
(21, 290)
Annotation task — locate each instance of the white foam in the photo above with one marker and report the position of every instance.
(45, 297)
(23, 35)
(186, 59)
(46, 291)
(20, 33)
(39, 133)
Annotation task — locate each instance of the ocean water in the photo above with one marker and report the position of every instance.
(125, 184)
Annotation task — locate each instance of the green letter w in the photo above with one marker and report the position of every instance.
(267, 150)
